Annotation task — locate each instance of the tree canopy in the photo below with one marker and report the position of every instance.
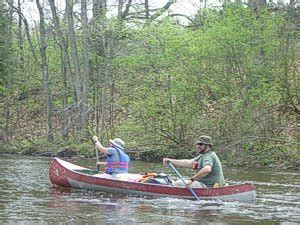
(141, 75)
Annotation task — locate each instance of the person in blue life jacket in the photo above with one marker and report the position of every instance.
(117, 161)
(209, 171)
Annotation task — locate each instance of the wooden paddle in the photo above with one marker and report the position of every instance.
(97, 155)
(97, 158)
(178, 174)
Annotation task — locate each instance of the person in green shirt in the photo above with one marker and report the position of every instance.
(208, 167)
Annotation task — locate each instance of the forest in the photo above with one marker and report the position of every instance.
(154, 78)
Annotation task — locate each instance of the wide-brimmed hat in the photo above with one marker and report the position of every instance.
(118, 142)
(205, 140)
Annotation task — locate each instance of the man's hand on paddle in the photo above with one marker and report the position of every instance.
(166, 161)
(100, 163)
(95, 139)
(188, 183)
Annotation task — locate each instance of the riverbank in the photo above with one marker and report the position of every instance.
(260, 158)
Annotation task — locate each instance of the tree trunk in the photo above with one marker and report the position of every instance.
(86, 66)
(44, 67)
(111, 108)
(106, 42)
(147, 9)
(99, 14)
(65, 118)
(66, 69)
(6, 67)
(98, 7)
(63, 47)
(257, 4)
(97, 94)
(33, 50)
(21, 53)
(120, 8)
(75, 58)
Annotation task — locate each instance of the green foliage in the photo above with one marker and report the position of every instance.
(233, 77)
(161, 92)
(220, 80)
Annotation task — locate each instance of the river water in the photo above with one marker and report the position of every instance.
(27, 196)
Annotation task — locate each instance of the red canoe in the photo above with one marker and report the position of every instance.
(65, 174)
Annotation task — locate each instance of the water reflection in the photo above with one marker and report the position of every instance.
(27, 196)
(88, 206)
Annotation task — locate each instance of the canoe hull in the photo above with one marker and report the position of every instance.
(64, 174)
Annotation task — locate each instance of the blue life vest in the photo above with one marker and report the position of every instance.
(121, 166)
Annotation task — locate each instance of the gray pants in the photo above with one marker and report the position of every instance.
(195, 184)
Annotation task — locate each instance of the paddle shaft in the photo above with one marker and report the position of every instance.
(97, 157)
(178, 174)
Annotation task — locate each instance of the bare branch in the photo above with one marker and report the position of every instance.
(182, 15)
(162, 10)
(27, 31)
(125, 13)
